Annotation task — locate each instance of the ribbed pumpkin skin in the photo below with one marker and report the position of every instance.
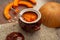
(51, 14)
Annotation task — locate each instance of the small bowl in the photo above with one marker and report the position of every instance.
(32, 10)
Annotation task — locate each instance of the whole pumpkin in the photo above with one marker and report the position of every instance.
(51, 14)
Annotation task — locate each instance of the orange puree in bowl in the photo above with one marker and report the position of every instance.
(29, 16)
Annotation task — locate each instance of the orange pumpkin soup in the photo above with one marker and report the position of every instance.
(29, 16)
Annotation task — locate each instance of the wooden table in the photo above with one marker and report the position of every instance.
(3, 3)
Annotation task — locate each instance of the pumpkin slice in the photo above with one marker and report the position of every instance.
(16, 2)
(33, 1)
(9, 6)
(6, 11)
(27, 4)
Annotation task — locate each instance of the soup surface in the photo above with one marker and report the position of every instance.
(29, 16)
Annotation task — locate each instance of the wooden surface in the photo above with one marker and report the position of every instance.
(3, 3)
